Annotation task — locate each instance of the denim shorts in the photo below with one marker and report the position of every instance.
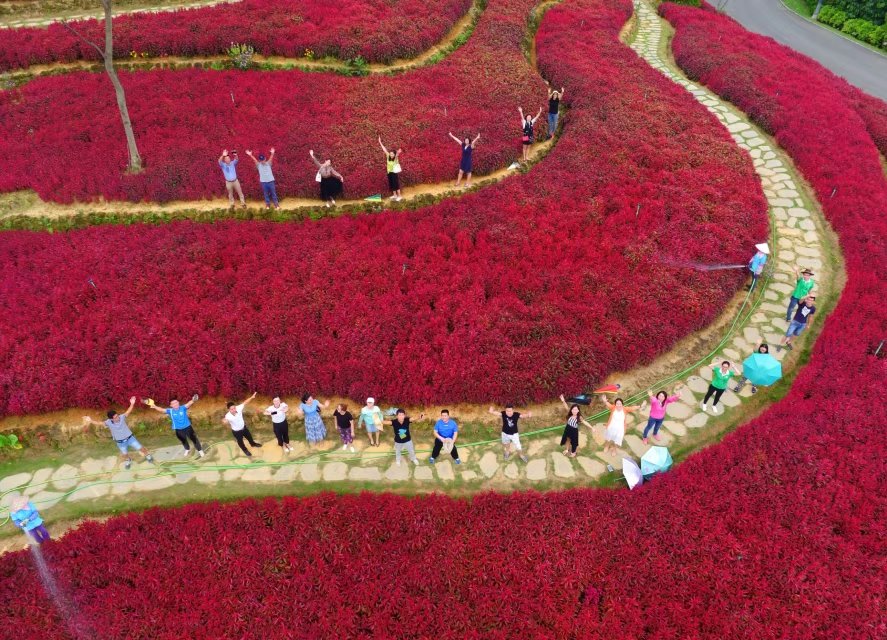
(130, 442)
(372, 428)
(795, 328)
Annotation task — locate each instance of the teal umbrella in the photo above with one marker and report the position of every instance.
(656, 460)
(762, 369)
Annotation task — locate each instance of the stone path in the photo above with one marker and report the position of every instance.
(42, 22)
(796, 241)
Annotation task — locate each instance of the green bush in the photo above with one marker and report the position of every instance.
(872, 10)
(689, 3)
(859, 29)
(832, 16)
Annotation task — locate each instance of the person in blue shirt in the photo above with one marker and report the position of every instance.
(24, 515)
(229, 170)
(181, 424)
(445, 429)
(757, 262)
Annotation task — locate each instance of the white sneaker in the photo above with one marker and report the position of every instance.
(186, 453)
(344, 446)
(200, 454)
(398, 463)
(704, 408)
(416, 461)
(714, 409)
(351, 449)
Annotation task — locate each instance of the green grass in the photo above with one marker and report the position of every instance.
(798, 6)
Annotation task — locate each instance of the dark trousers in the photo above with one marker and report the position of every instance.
(269, 190)
(40, 534)
(188, 433)
(438, 445)
(713, 390)
(281, 432)
(245, 434)
(571, 434)
(655, 424)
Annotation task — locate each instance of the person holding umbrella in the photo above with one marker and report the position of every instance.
(757, 262)
(757, 369)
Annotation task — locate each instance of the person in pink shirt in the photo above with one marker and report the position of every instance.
(657, 411)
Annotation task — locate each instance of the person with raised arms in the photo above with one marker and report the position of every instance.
(279, 423)
(527, 124)
(554, 106)
(371, 418)
(122, 434)
(465, 164)
(446, 432)
(181, 424)
(802, 317)
(235, 419)
(571, 428)
(658, 403)
(331, 181)
(266, 177)
(803, 285)
(510, 436)
(720, 379)
(402, 438)
(392, 165)
(615, 431)
(232, 184)
(309, 408)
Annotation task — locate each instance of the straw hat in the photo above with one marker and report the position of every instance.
(763, 248)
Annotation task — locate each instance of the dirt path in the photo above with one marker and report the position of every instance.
(13, 21)
(800, 237)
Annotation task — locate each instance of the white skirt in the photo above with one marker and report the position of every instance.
(616, 429)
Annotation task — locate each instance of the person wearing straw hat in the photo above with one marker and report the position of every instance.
(757, 262)
(120, 431)
(371, 417)
(803, 285)
(25, 516)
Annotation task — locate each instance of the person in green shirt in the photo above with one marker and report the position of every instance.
(803, 284)
(720, 379)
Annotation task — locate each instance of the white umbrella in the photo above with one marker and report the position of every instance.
(632, 473)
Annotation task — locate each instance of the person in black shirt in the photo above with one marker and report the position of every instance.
(402, 438)
(510, 436)
(345, 424)
(527, 123)
(554, 105)
(805, 311)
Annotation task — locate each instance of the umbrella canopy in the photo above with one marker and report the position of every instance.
(762, 369)
(656, 460)
(632, 473)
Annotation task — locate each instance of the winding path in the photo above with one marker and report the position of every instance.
(859, 65)
(797, 237)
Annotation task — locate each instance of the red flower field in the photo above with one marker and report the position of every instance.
(545, 282)
(776, 533)
(65, 133)
(377, 30)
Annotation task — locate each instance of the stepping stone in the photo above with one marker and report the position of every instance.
(210, 476)
(14, 481)
(183, 478)
(562, 466)
(730, 118)
(445, 470)
(705, 374)
(257, 474)
(423, 472)
(536, 469)
(751, 335)
(489, 464)
(732, 354)
(696, 421)
(153, 484)
(88, 491)
(785, 203)
(63, 477)
(679, 410)
(46, 499)
(401, 472)
(7, 499)
(781, 288)
(229, 475)
(807, 252)
(730, 399)
(121, 483)
(787, 256)
(468, 475)
(737, 127)
(677, 428)
(365, 474)
(335, 471)
(788, 193)
(798, 212)
(636, 445)
(536, 446)
(41, 478)
(511, 471)
(613, 459)
(697, 384)
(168, 454)
(309, 472)
(592, 468)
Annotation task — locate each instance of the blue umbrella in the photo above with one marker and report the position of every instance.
(656, 460)
(762, 369)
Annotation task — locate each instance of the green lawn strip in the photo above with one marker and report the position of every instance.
(800, 7)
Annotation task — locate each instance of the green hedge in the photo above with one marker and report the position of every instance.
(832, 16)
(858, 28)
(875, 11)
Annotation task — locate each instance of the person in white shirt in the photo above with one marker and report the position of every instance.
(279, 423)
(234, 418)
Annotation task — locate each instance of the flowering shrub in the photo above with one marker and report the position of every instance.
(873, 112)
(544, 282)
(775, 533)
(378, 30)
(183, 119)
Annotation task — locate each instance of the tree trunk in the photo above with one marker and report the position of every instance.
(135, 160)
(817, 9)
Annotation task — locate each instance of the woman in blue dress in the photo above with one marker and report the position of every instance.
(465, 163)
(315, 431)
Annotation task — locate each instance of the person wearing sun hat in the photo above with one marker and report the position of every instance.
(757, 262)
(371, 417)
(803, 285)
(25, 516)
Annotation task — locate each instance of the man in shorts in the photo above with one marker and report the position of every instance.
(510, 436)
(120, 431)
(802, 316)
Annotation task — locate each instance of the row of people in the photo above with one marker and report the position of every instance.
(331, 182)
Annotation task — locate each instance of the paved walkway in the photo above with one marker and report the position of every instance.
(796, 241)
(859, 65)
(12, 23)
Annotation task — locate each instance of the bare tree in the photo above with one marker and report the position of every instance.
(107, 55)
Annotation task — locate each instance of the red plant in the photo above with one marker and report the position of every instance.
(64, 131)
(775, 533)
(546, 282)
(377, 30)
